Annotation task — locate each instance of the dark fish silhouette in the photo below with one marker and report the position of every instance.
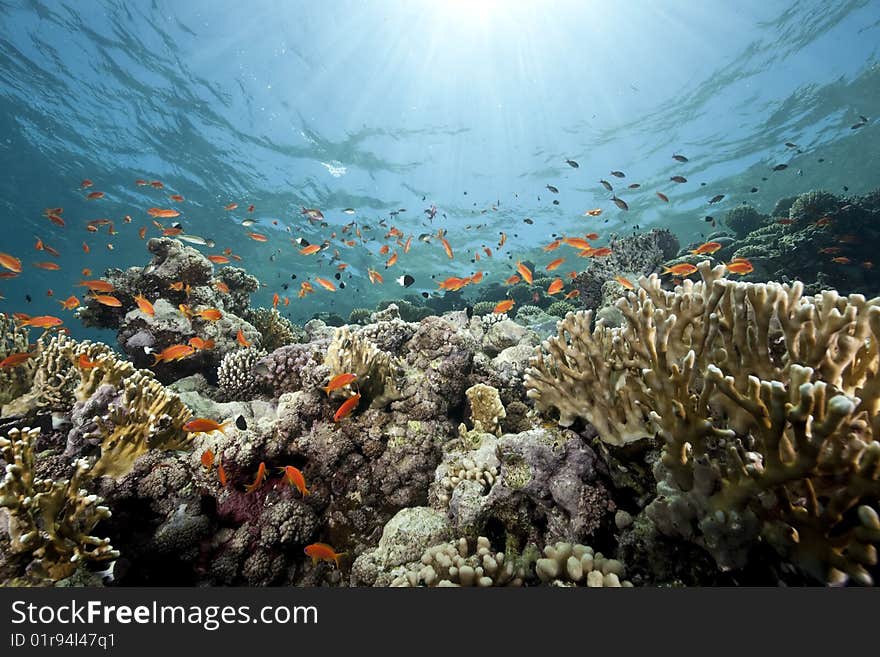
(572, 164)
(680, 158)
(552, 189)
(619, 202)
(716, 198)
(618, 174)
(780, 167)
(679, 179)
(607, 185)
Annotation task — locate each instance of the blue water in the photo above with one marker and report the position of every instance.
(377, 105)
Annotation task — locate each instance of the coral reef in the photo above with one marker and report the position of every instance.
(276, 331)
(236, 375)
(487, 411)
(14, 340)
(744, 219)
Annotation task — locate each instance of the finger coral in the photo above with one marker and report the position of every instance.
(50, 521)
(13, 340)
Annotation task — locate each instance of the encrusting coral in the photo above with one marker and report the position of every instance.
(50, 521)
(767, 406)
(487, 411)
(378, 372)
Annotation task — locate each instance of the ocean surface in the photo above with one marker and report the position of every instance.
(397, 110)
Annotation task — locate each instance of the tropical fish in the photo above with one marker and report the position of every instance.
(14, 360)
(312, 213)
(572, 164)
(513, 280)
(310, 249)
(200, 344)
(842, 260)
(780, 167)
(258, 237)
(204, 425)
(577, 242)
(347, 407)
(680, 158)
(339, 381)
(174, 352)
(662, 197)
(553, 265)
(85, 364)
(210, 314)
(619, 202)
(49, 266)
(607, 185)
(716, 198)
(10, 262)
(681, 269)
(626, 283)
(218, 259)
(207, 458)
(679, 179)
(322, 552)
(97, 285)
(85, 184)
(295, 478)
(43, 321)
(573, 294)
(555, 287)
(447, 248)
(221, 475)
(221, 287)
(618, 174)
(525, 272)
(595, 212)
(374, 276)
(177, 198)
(739, 266)
(230, 206)
(323, 282)
(260, 478)
(241, 339)
(163, 213)
(552, 189)
(391, 260)
(69, 303)
(107, 300)
(503, 306)
(406, 280)
(707, 249)
(94, 195)
(552, 246)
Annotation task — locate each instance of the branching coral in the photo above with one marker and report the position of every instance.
(453, 564)
(767, 405)
(378, 372)
(54, 378)
(236, 374)
(14, 340)
(50, 521)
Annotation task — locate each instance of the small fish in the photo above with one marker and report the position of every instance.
(574, 294)
(680, 158)
(295, 478)
(176, 198)
(142, 232)
(625, 282)
(11, 263)
(607, 185)
(391, 260)
(406, 280)
(207, 459)
(375, 277)
(577, 242)
(595, 212)
(867, 264)
(200, 344)
(349, 210)
(69, 303)
(553, 265)
(601, 252)
(221, 475)
(241, 339)
(49, 266)
(681, 269)
(555, 287)
(85, 364)
(347, 407)
(753, 190)
(322, 552)
(258, 481)
(144, 305)
(196, 239)
(275, 300)
(707, 249)
(572, 164)
(716, 199)
(842, 260)
(43, 321)
(503, 306)
(218, 259)
(780, 167)
(204, 425)
(830, 250)
(221, 287)
(525, 272)
(619, 202)
(310, 249)
(230, 206)
(172, 353)
(210, 314)
(163, 213)
(618, 174)
(552, 189)
(552, 246)
(327, 285)
(86, 184)
(662, 197)
(156, 184)
(94, 195)
(679, 179)
(107, 300)
(312, 213)
(824, 221)
(447, 248)
(14, 360)
(513, 280)
(339, 381)
(633, 186)
(247, 222)
(258, 237)
(739, 266)
(791, 144)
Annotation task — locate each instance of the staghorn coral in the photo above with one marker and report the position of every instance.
(276, 331)
(236, 376)
(378, 373)
(50, 521)
(766, 402)
(487, 411)
(14, 380)
(54, 379)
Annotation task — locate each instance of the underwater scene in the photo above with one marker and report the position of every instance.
(439, 293)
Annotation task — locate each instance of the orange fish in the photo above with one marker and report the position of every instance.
(502, 240)
(310, 249)
(574, 294)
(174, 352)
(339, 381)
(210, 314)
(275, 300)
(391, 260)
(145, 306)
(385, 248)
(593, 213)
(327, 285)
(681, 269)
(409, 243)
(204, 425)
(453, 283)
(230, 206)
(323, 552)
(69, 303)
(156, 184)
(10, 262)
(56, 219)
(600, 252)
(525, 272)
(503, 306)
(43, 321)
(241, 339)
(347, 407)
(476, 278)
(842, 260)
(50, 266)
(163, 213)
(553, 265)
(85, 364)
(172, 232)
(86, 248)
(221, 287)
(513, 280)
(176, 197)
(8, 274)
(487, 251)
(142, 232)
(552, 246)
(218, 259)
(555, 287)
(14, 360)
(257, 237)
(97, 285)
(295, 478)
(447, 248)
(250, 208)
(107, 300)
(625, 282)
(577, 242)
(94, 195)
(207, 458)
(177, 287)
(261, 477)
(707, 249)
(86, 272)
(140, 182)
(740, 266)
(85, 184)
(375, 277)
(221, 475)
(39, 245)
(592, 236)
